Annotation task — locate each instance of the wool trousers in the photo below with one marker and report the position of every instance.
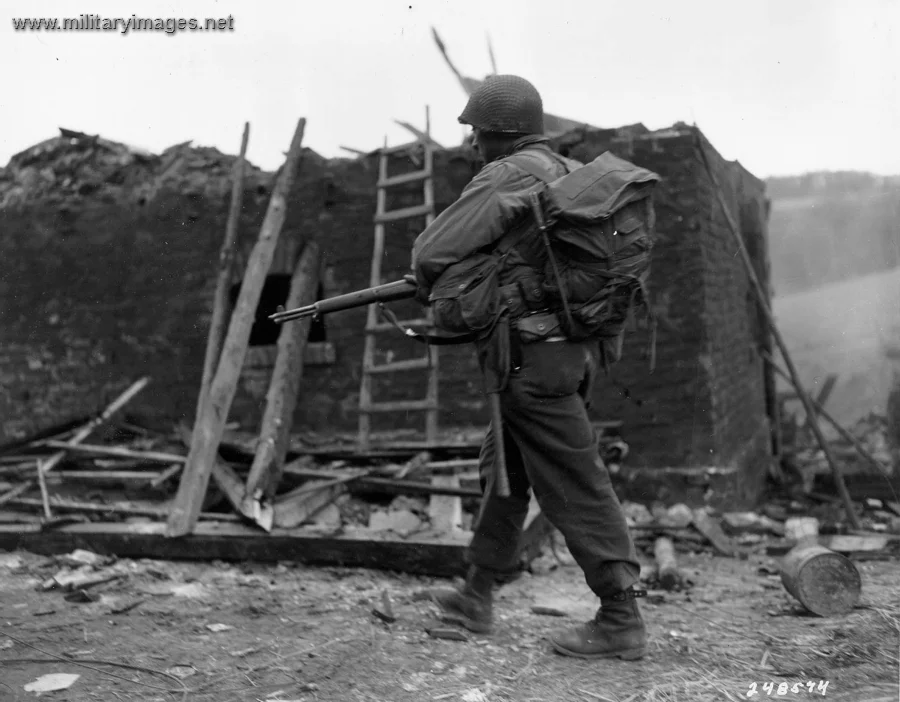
(552, 451)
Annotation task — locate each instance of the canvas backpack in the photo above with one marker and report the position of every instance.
(597, 224)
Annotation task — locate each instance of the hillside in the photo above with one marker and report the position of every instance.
(829, 227)
(851, 328)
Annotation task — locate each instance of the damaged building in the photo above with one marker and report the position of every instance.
(110, 257)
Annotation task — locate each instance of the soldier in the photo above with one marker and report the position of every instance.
(550, 444)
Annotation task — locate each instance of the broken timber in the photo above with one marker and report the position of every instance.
(239, 542)
(88, 428)
(268, 463)
(214, 413)
(221, 300)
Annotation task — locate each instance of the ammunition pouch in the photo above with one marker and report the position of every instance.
(466, 298)
(539, 326)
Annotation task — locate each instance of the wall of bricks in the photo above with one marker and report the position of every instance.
(105, 293)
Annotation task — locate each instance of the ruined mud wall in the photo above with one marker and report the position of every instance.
(99, 292)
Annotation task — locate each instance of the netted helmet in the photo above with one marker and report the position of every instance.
(507, 104)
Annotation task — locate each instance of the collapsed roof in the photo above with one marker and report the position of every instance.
(75, 165)
(553, 126)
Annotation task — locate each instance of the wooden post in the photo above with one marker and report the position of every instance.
(208, 431)
(669, 575)
(761, 299)
(281, 400)
(220, 310)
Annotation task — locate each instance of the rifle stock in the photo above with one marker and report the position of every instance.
(389, 292)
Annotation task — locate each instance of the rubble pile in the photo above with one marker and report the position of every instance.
(75, 166)
(806, 458)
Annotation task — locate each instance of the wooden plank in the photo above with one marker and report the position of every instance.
(221, 308)
(383, 485)
(167, 474)
(88, 428)
(713, 532)
(45, 494)
(445, 511)
(297, 506)
(411, 177)
(230, 483)
(208, 432)
(242, 543)
(281, 400)
(118, 475)
(397, 406)
(403, 213)
(15, 492)
(405, 365)
(413, 465)
(423, 137)
(97, 508)
(667, 565)
(119, 452)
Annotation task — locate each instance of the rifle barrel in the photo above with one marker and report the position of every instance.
(389, 292)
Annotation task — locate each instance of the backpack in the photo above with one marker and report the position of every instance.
(597, 226)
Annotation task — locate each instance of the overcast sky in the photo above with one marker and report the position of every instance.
(784, 86)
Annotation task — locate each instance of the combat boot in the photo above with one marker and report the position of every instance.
(616, 631)
(472, 605)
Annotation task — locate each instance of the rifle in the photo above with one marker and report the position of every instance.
(389, 292)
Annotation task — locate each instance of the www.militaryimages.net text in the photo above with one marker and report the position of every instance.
(123, 25)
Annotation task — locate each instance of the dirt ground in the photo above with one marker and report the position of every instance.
(303, 633)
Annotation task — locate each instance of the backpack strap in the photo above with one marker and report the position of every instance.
(525, 161)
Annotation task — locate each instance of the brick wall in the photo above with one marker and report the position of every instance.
(104, 294)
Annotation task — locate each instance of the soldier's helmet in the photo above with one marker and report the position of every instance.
(507, 104)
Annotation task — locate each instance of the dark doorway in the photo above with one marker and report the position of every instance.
(274, 293)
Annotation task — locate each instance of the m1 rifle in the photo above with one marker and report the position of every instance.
(391, 292)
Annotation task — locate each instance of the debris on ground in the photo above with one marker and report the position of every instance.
(52, 682)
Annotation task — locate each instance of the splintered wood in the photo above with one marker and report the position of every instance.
(208, 430)
(265, 473)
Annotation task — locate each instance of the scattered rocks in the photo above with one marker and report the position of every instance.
(401, 522)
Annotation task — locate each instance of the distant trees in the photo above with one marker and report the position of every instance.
(826, 227)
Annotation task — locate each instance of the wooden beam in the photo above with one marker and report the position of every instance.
(118, 452)
(144, 476)
(229, 482)
(297, 506)
(221, 309)
(241, 543)
(98, 508)
(88, 428)
(281, 400)
(15, 492)
(214, 413)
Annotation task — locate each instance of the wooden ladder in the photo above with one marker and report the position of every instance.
(375, 327)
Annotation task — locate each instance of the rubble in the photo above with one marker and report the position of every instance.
(69, 168)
